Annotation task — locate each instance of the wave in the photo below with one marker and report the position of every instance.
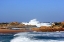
(37, 23)
(38, 37)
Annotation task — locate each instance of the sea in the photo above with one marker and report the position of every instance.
(33, 37)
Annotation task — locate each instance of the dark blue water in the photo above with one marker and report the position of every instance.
(6, 37)
(33, 37)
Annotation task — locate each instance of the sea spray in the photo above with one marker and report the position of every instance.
(37, 23)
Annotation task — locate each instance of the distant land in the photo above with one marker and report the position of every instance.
(31, 26)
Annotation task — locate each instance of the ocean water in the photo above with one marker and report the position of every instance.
(33, 37)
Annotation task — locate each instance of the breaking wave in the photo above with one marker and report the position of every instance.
(39, 37)
(37, 23)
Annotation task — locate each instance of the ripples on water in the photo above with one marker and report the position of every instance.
(33, 37)
(6, 37)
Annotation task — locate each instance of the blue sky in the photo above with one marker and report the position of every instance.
(25, 10)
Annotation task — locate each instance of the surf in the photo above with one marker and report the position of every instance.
(34, 37)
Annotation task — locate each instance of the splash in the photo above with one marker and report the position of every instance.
(37, 23)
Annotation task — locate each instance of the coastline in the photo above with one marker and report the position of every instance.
(15, 27)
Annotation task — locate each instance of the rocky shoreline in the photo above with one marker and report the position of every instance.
(19, 27)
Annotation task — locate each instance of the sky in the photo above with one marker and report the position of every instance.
(25, 10)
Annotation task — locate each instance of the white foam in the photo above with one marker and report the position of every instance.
(20, 39)
(24, 37)
(37, 23)
(1, 41)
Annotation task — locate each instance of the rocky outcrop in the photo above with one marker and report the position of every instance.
(56, 26)
(35, 29)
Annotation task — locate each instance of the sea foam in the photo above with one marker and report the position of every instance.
(27, 37)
